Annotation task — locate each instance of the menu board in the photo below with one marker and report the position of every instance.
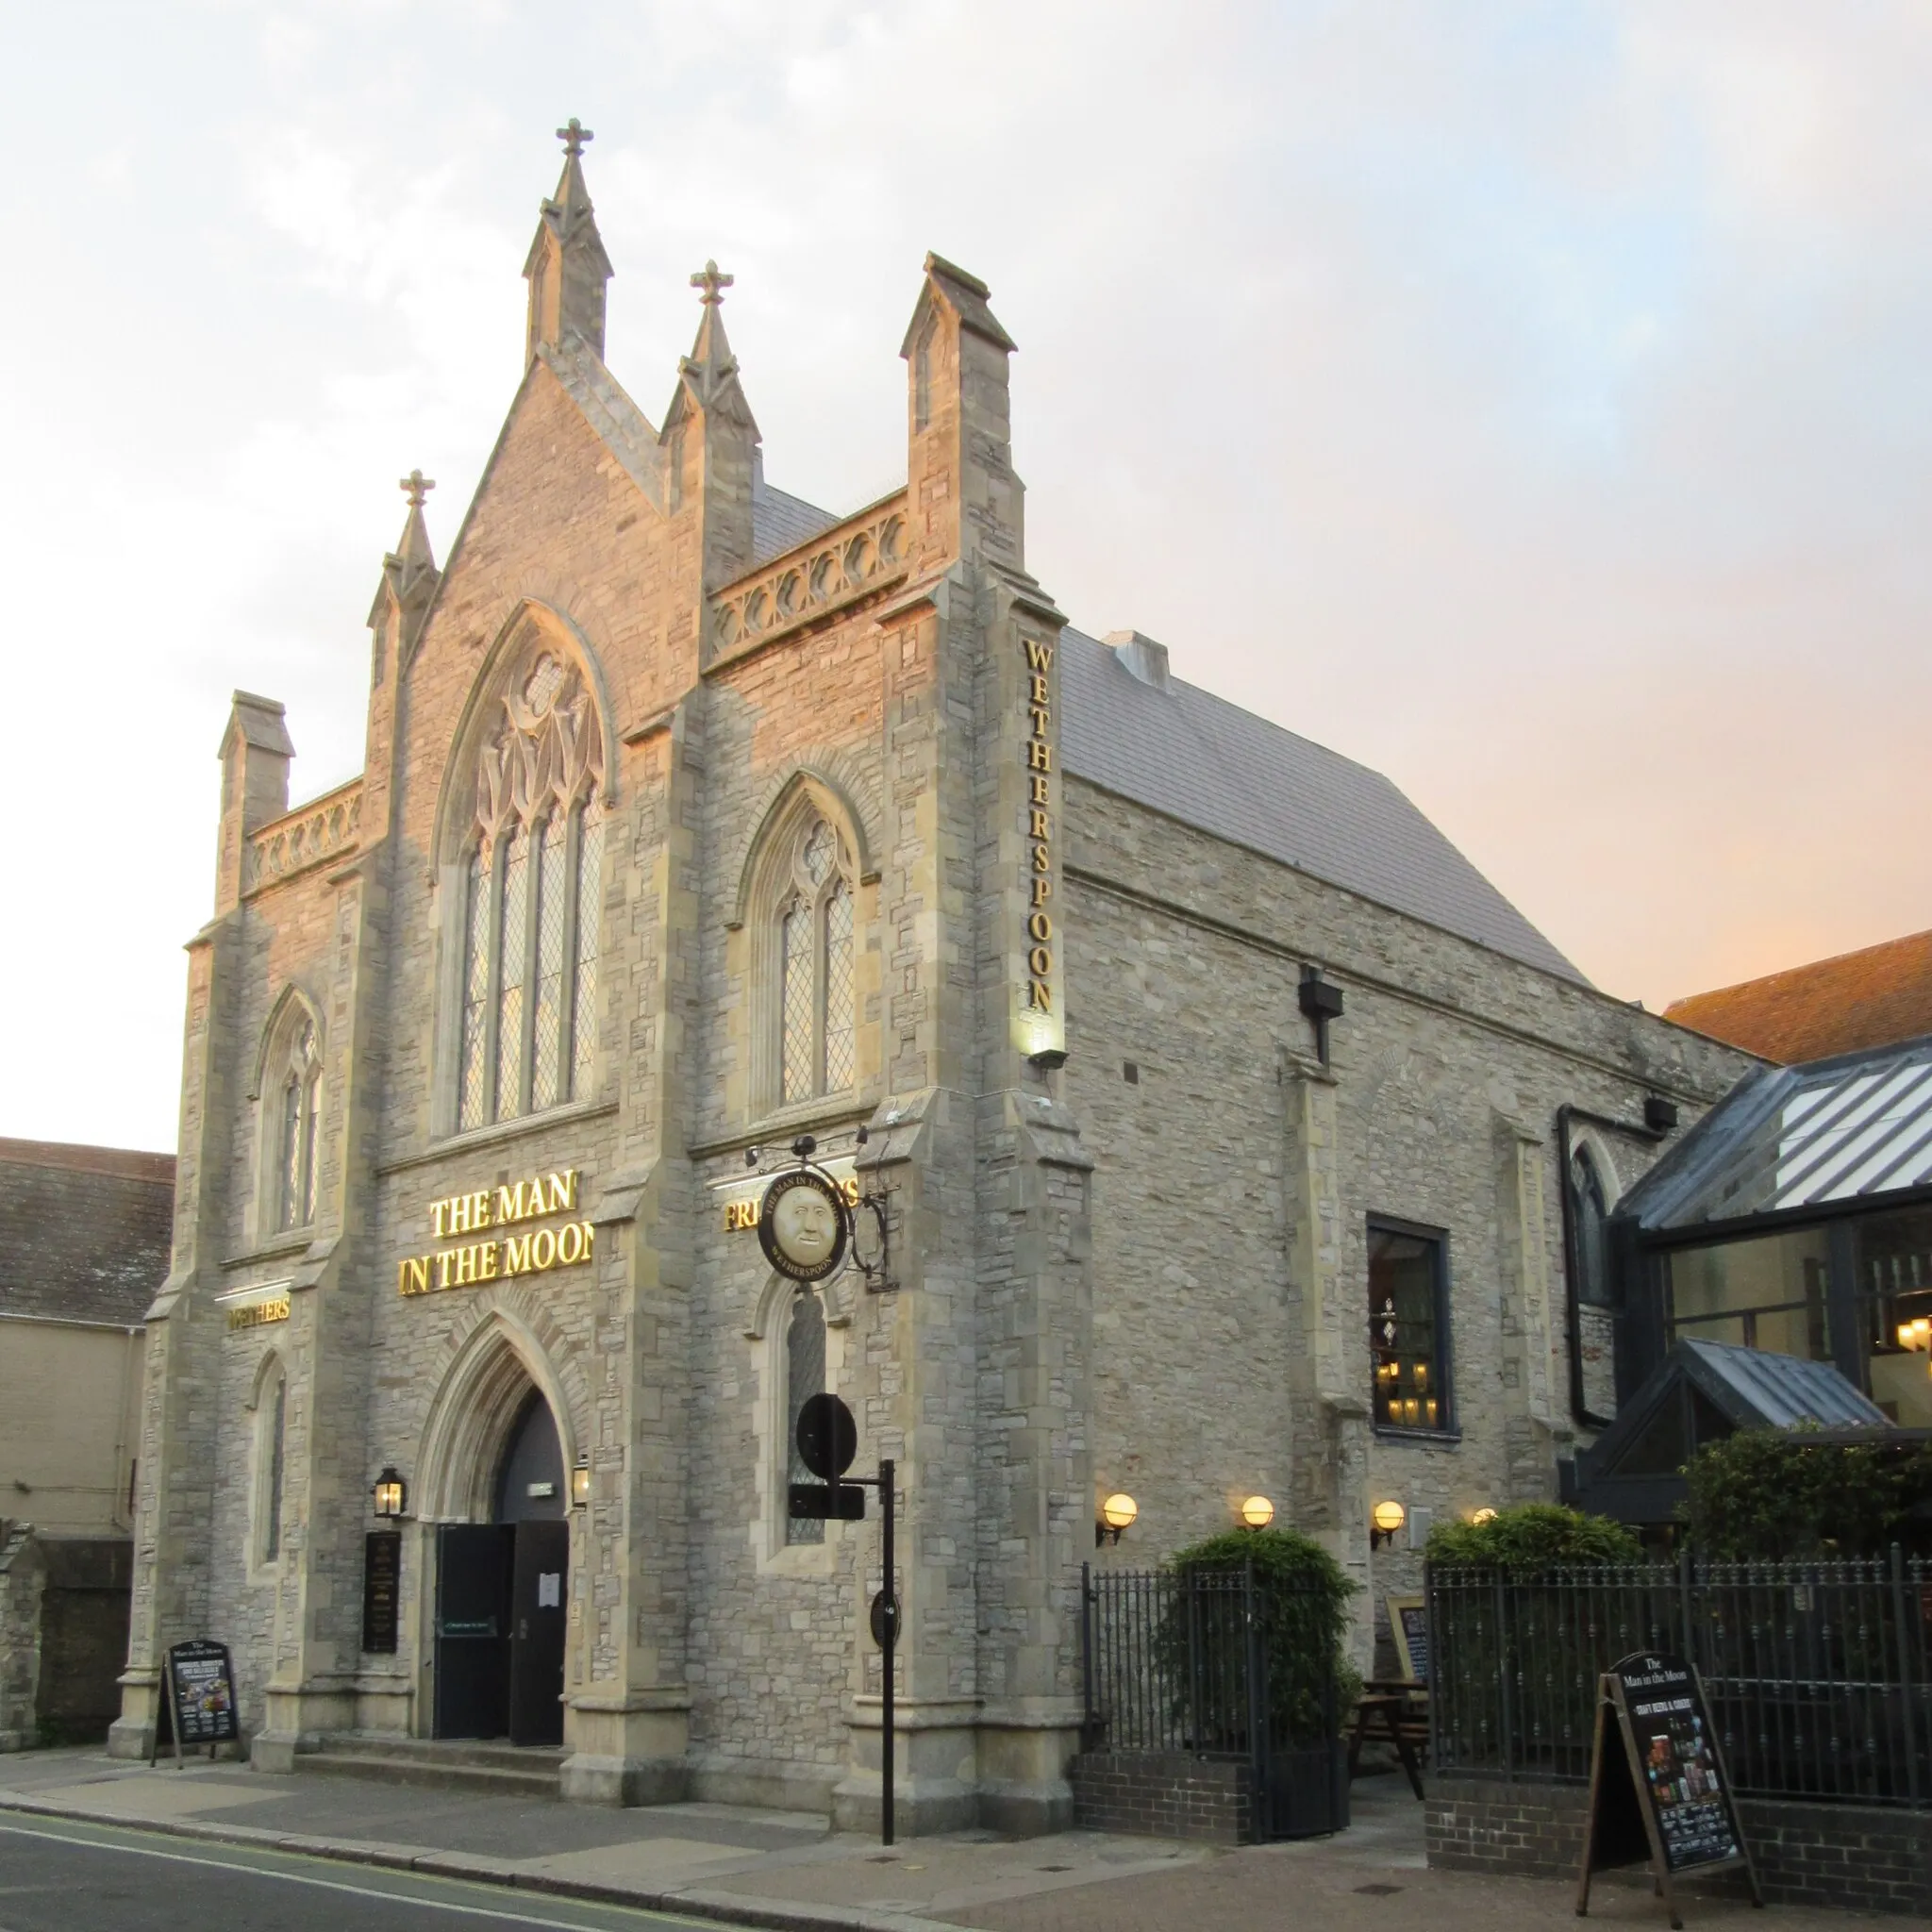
(382, 1579)
(1670, 1802)
(1408, 1625)
(197, 1697)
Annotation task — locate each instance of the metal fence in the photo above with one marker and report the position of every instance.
(1819, 1674)
(1218, 1663)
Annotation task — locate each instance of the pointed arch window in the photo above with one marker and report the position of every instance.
(816, 1017)
(532, 899)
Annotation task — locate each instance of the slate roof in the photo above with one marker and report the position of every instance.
(779, 520)
(85, 1232)
(1201, 760)
(1856, 1127)
(1873, 997)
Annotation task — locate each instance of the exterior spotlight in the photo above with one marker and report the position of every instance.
(580, 1482)
(751, 1157)
(1116, 1514)
(1048, 1057)
(391, 1493)
(1257, 1512)
(1386, 1518)
(1483, 1515)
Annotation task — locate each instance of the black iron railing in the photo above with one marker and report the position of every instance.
(1211, 1662)
(1819, 1674)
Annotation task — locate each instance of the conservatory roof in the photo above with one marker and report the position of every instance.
(1832, 1133)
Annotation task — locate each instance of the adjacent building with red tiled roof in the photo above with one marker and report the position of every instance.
(1869, 998)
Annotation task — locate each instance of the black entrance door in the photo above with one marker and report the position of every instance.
(537, 1628)
(473, 1628)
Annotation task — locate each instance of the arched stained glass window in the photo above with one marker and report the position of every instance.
(530, 924)
(816, 1012)
(1592, 1249)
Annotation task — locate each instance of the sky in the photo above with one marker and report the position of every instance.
(1530, 401)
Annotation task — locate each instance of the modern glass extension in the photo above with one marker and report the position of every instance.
(1796, 1218)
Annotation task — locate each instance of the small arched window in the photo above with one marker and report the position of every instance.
(805, 1376)
(816, 1048)
(272, 1424)
(1593, 1244)
(530, 917)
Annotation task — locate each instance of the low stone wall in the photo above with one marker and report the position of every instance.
(1864, 1858)
(1171, 1794)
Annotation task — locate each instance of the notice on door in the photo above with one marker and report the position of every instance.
(549, 1590)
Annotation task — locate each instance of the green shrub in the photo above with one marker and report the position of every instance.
(1304, 1598)
(1530, 1534)
(1772, 1494)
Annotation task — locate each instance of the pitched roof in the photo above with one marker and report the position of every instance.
(1843, 1129)
(1757, 1389)
(779, 520)
(1873, 997)
(1199, 758)
(85, 1232)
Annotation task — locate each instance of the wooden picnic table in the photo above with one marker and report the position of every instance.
(1383, 1713)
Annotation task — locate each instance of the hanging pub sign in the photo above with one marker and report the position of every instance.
(804, 1225)
(1670, 1802)
(197, 1699)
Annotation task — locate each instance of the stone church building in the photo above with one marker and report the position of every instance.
(1224, 1118)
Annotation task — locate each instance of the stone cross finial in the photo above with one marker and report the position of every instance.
(416, 486)
(573, 134)
(710, 281)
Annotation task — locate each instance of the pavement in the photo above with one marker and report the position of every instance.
(750, 1867)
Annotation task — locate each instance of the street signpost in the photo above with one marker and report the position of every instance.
(827, 1441)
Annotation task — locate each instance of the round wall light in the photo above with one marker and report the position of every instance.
(1116, 1514)
(1386, 1518)
(1483, 1515)
(1257, 1512)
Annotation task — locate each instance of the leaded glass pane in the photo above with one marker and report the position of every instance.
(820, 851)
(311, 1107)
(289, 1180)
(272, 1475)
(545, 682)
(548, 1066)
(839, 1036)
(473, 1096)
(805, 1376)
(510, 1002)
(797, 1006)
(589, 910)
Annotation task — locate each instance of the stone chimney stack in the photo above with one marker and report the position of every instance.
(567, 270)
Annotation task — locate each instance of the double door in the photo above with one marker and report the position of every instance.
(500, 1630)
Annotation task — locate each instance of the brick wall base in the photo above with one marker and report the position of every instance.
(1168, 1795)
(1869, 1858)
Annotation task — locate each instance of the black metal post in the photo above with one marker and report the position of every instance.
(891, 1645)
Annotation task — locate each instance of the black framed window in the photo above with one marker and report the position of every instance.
(1408, 1327)
(1894, 1303)
(1768, 1291)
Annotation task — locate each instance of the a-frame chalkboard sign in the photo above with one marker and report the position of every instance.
(197, 1699)
(1670, 1803)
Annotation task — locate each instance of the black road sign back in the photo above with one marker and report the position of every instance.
(835, 1502)
(827, 1437)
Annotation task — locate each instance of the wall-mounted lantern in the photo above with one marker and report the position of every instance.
(1385, 1519)
(391, 1493)
(580, 1483)
(1116, 1514)
(1257, 1512)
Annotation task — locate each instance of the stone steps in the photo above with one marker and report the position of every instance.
(438, 1764)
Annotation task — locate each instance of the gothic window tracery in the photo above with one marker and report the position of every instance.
(815, 929)
(530, 917)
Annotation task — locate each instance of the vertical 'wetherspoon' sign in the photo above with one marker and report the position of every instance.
(1039, 1026)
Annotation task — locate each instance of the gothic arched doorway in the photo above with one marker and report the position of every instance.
(500, 1590)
